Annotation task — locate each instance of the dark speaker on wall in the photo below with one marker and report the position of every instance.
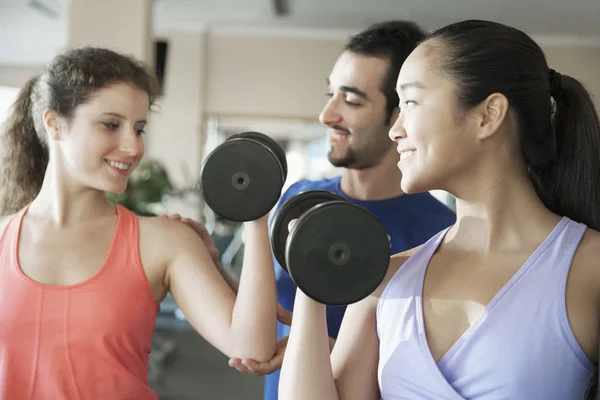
(161, 48)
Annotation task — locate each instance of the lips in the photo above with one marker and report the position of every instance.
(337, 135)
(406, 154)
(119, 165)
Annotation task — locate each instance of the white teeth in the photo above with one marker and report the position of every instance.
(338, 136)
(118, 165)
(406, 154)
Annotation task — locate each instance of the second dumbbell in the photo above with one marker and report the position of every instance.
(336, 252)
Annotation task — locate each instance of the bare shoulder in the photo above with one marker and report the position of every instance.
(161, 241)
(590, 241)
(396, 262)
(587, 258)
(583, 293)
(167, 233)
(165, 238)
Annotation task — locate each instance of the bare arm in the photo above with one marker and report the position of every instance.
(255, 321)
(201, 230)
(242, 326)
(350, 373)
(231, 282)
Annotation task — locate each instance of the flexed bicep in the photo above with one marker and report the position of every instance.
(199, 289)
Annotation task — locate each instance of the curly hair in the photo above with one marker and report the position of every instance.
(67, 82)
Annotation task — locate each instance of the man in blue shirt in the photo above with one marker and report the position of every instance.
(362, 106)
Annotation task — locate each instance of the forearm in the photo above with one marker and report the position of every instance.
(254, 322)
(230, 280)
(306, 371)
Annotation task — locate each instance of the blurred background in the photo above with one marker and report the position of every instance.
(235, 65)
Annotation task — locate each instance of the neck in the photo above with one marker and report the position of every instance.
(502, 213)
(376, 183)
(63, 203)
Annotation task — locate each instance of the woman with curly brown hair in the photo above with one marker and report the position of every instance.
(80, 278)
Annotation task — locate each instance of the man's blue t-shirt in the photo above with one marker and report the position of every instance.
(410, 220)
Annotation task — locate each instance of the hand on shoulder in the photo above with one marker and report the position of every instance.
(168, 232)
(200, 230)
(166, 237)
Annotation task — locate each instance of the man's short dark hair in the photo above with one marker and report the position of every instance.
(391, 40)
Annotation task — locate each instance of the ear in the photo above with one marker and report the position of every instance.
(493, 111)
(52, 123)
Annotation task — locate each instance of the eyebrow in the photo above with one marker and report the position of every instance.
(417, 85)
(351, 89)
(117, 115)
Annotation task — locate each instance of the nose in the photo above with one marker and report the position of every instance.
(330, 114)
(131, 143)
(397, 131)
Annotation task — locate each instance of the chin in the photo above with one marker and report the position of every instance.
(413, 185)
(113, 187)
(343, 161)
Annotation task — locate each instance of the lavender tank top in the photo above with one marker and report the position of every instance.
(522, 346)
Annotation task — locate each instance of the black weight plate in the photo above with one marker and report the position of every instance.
(338, 253)
(272, 144)
(241, 180)
(292, 209)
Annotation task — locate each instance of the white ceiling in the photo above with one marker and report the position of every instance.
(28, 36)
(575, 17)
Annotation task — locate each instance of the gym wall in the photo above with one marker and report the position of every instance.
(243, 74)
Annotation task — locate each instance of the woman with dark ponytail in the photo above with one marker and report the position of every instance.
(505, 304)
(81, 278)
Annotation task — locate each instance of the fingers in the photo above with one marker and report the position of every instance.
(260, 369)
(201, 230)
(196, 226)
(175, 217)
(274, 364)
(257, 369)
(284, 316)
(246, 366)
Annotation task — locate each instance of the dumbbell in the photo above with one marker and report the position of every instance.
(335, 251)
(242, 178)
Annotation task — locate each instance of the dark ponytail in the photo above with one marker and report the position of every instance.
(24, 156)
(560, 140)
(67, 82)
(570, 183)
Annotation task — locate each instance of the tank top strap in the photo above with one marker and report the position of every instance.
(9, 236)
(564, 252)
(567, 244)
(409, 276)
(418, 262)
(124, 260)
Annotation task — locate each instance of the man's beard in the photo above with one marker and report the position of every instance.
(347, 160)
(367, 158)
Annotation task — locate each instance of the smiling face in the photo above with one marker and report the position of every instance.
(102, 143)
(356, 112)
(436, 140)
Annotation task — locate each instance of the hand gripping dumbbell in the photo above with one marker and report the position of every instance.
(335, 251)
(242, 178)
